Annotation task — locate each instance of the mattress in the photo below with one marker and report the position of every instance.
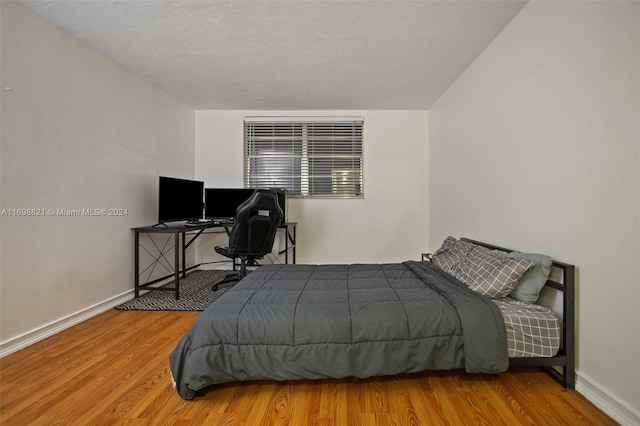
(532, 330)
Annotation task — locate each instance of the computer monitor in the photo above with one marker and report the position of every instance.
(221, 203)
(179, 199)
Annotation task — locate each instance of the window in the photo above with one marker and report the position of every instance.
(310, 156)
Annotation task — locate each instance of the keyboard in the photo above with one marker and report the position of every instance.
(223, 221)
(198, 222)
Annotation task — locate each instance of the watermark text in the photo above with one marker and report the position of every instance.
(58, 212)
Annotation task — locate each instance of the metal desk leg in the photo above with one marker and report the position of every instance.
(295, 243)
(184, 256)
(177, 264)
(136, 267)
(286, 244)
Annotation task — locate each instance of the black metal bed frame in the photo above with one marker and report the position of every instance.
(565, 358)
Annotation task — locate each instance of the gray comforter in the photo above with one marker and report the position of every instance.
(287, 322)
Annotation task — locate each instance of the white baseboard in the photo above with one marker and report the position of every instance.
(215, 267)
(602, 398)
(29, 338)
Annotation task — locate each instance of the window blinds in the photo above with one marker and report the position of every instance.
(310, 157)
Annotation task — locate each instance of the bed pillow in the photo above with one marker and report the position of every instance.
(450, 254)
(490, 274)
(528, 288)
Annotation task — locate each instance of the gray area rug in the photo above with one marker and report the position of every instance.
(195, 294)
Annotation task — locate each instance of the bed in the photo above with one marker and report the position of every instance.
(289, 322)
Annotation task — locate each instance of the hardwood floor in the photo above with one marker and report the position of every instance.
(113, 369)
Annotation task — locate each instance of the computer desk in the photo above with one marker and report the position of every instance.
(184, 236)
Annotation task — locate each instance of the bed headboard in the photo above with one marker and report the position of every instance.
(566, 356)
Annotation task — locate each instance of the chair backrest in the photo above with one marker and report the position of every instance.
(256, 223)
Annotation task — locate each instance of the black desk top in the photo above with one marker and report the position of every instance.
(182, 227)
(178, 227)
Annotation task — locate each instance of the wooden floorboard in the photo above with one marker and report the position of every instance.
(113, 369)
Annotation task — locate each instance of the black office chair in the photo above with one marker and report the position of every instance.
(254, 230)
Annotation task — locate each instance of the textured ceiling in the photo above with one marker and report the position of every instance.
(289, 54)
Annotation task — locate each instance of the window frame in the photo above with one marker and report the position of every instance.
(306, 176)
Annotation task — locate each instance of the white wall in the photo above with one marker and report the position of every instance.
(388, 225)
(78, 131)
(537, 147)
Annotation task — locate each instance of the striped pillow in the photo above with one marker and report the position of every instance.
(490, 274)
(450, 254)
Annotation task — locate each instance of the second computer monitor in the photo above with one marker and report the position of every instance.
(220, 203)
